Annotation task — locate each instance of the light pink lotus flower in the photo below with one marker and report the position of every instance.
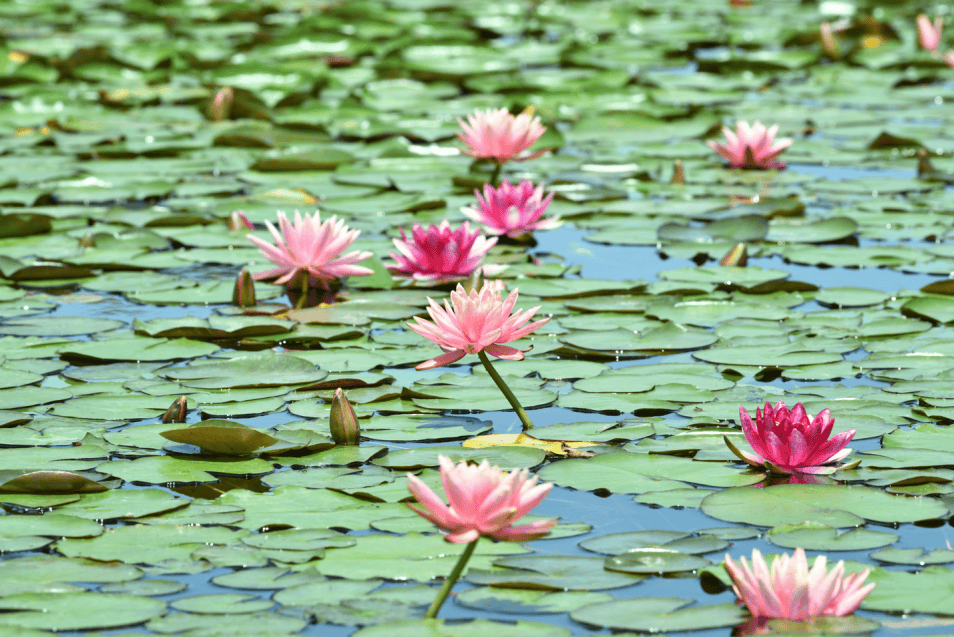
(498, 135)
(929, 33)
(311, 248)
(440, 253)
(791, 591)
(512, 210)
(753, 146)
(474, 322)
(484, 501)
(790, 441)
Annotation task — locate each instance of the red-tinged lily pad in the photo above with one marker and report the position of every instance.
(222, 436)
(52, 482)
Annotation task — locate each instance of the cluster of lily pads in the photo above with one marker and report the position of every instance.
(132, 132)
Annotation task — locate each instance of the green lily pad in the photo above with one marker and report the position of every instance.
(814, 537)
(654, 561)
(658, 614)
(552, 573)
(836, 506)
(516, 601)
(78, 611)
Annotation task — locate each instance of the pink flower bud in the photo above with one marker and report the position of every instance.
(177, 411)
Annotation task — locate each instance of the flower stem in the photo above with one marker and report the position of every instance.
(451, 580)
(494, 176)
(505, 390)
(303, 296)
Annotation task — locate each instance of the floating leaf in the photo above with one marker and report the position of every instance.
(222, 436)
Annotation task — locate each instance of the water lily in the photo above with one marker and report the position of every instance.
(483, 501)
(512, 210)
(751, 146)
(308, 250)
(478, 322)
(498, 135)
(475, 322)
(440, 253)
(789, 590)
(790, 441)
(929, 33)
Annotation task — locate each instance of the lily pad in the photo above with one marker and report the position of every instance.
(222, 436)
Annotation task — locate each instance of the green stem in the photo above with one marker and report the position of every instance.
(303, 295)
(494, 176)
(451, 580)
(505, 390)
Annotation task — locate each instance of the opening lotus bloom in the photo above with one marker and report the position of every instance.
(751, 146)
(498, 135)
(512, 210)
(929, 33)
(789, 590)
(439, 253)
(474, 322)
(310, 248)
(483, 501)
(791, 441)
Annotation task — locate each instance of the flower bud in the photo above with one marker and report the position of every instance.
(221, 106)
(736, 256)
(678, 176)
(829, 41)
(177, 411)
(344, 422)
(475, 281)
(243, 294)
(238, 220)
(925, 167)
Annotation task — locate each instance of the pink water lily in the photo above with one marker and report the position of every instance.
(498, 135)
(310, 248)
(512, 210)
(483, 501)
(789, 590)
(929, 33)
(474, 322)
(440, 253)
(790, 441)
(751, 146)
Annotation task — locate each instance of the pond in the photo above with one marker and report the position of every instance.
(135, 130)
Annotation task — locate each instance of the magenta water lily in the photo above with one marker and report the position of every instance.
(751, 146)
(483, 501)
(790, 590)
(440, 253)
(513, 210)
(790, 441)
